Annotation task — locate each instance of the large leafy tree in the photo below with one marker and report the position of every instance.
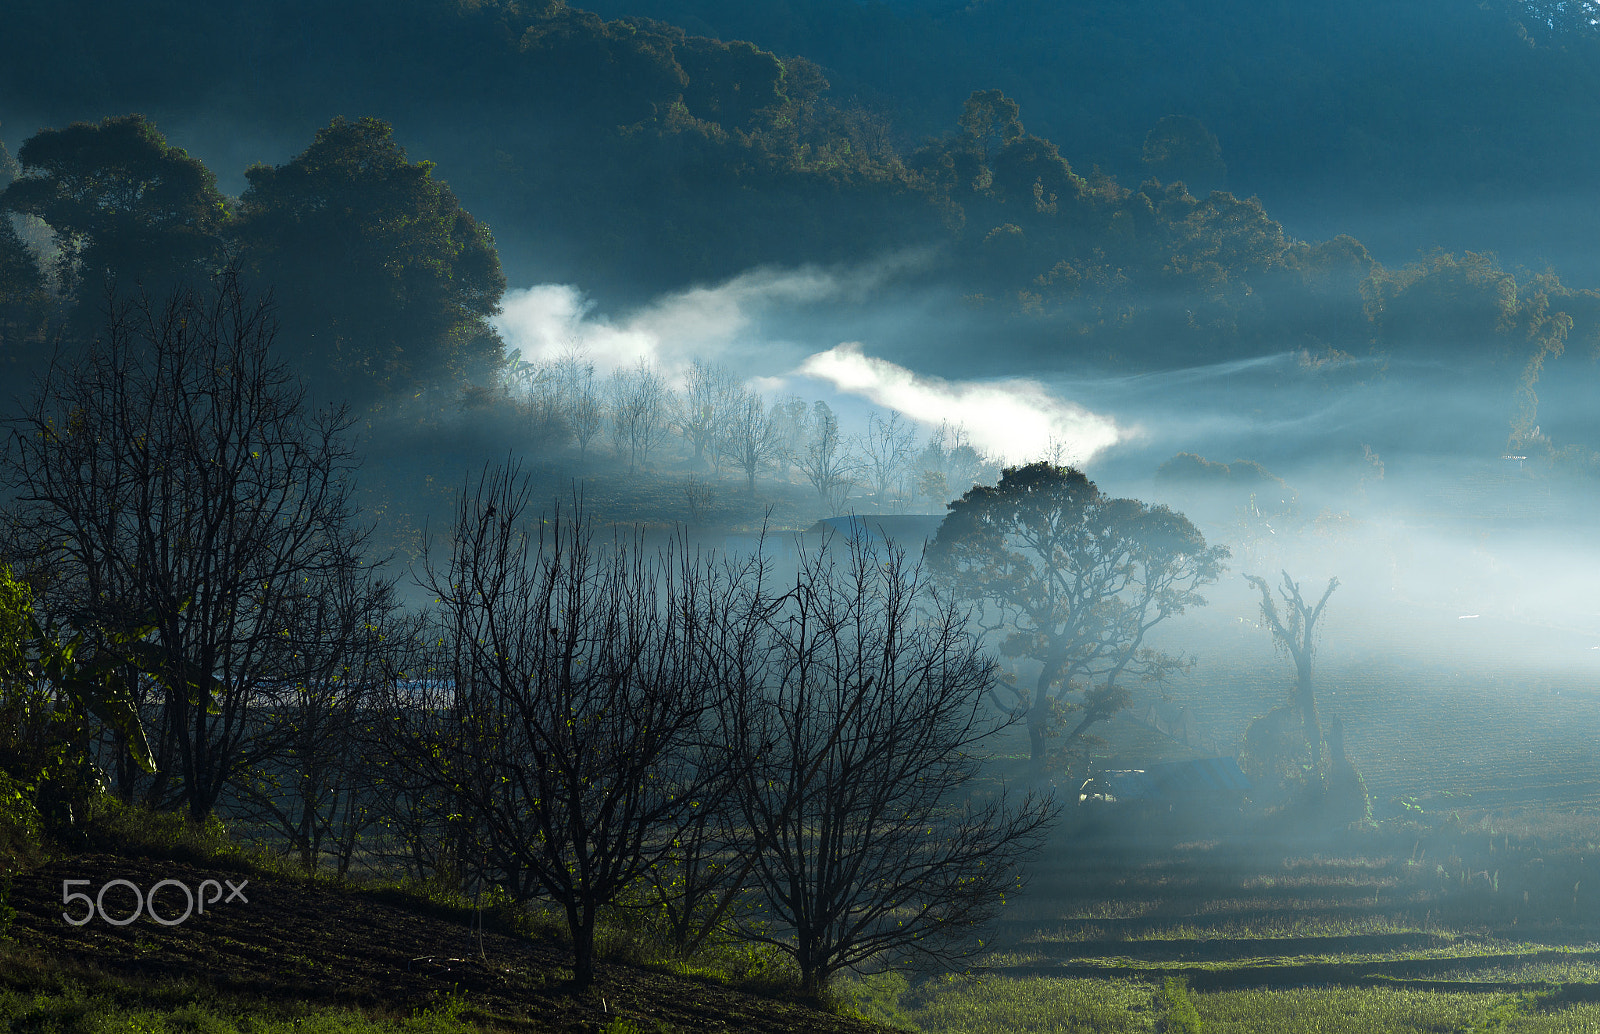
(1074, 580)
(24, 298)
(385, 282)
(124, 206)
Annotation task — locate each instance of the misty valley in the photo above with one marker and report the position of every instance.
(835, 515)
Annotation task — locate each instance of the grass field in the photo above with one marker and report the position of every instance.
(1473, 904)
(1271, 941)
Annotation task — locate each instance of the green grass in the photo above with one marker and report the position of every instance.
(1390, 1011)
(1048, 1005)
(1181, 1016)
(1001, 1005)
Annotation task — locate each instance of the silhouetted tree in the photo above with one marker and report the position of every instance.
(886, 449)
(125, 208)
(1074, 580)
(752, 438)
(640, 407)
(386, 282)
(825, 460)
(1293, 631)
(990, 120)
(861, 724)
(173, 473)
(313, 780)
(556, 720)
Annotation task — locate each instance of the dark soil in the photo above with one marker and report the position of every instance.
(292, 942)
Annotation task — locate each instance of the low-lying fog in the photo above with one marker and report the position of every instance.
(1447, 551)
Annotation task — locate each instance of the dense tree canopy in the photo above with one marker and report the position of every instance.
(126, 208)
(633, 156)
(385, 281)
(1073, 580)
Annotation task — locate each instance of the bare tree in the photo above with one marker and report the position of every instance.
(559, 714)
(887, 449)
(861, 733)
(543, 400)
(950, 452)
(788, 419)
(826, 462)
(585, 413)
(174, 472)
(701, 414)
(752, 438)
(1295, 635)
(703, 884)
(311, 779)
(639, 408)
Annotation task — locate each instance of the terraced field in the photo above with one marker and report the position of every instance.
(1268, 935)
(1474, 904)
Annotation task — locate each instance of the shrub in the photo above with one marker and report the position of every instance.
(1181, 1015)
(20, 827)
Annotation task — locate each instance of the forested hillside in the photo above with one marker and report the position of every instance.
(1411, 124)
(1094, 216)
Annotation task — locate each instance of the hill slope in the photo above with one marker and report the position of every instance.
(294, 942)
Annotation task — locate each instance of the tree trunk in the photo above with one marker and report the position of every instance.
(1039, 717)
(1038, 734)
(1308, 708)
(581, 919)
(812, 982)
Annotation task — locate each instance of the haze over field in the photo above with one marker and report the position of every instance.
(1228, 373)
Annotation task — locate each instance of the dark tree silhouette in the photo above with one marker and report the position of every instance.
(1293, 631)
(1074, 580)
(861, 729)
(171, 476)
(386, 281)
(125, 207)
(558, 718)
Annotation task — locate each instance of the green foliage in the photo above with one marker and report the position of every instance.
(384, 281)
(1275, 756)
(56, 694)
(990, 120)
(625, 1025)
(1001, 1005)
(123, 205)
(1359, 1010)
(1181, 1015)
(21, 830)
(141, 829)
(75, 1010)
